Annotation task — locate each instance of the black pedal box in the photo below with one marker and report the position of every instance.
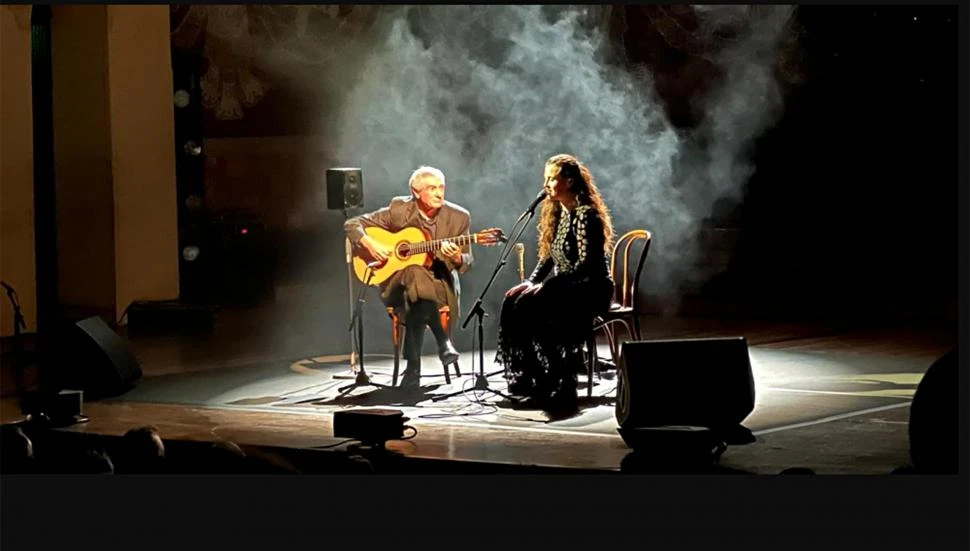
(369, 425)
(59, 409)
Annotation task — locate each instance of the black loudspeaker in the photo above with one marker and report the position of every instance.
(934, 418)
(345, 188)
(93, 358)
(686, 383)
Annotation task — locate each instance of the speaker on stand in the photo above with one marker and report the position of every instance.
(345, 191)
(345, 188)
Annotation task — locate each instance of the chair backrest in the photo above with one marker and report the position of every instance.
(627, 280)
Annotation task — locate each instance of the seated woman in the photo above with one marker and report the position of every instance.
(544, 324)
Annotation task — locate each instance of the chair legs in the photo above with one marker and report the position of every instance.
(397, 333)
(447, 376)
(611, 339)
(457, 372)
(591, 357)
(614, 344)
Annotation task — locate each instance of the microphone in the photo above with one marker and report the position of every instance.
(374, 264)
(536, 201)
(520, 251)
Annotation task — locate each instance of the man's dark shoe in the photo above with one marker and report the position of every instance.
(447, 353)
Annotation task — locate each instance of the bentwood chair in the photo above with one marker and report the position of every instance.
(625, 307)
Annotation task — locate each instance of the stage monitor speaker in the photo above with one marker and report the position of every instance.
(345, 188)
(685, 382)
(95, 359)
(934, 415)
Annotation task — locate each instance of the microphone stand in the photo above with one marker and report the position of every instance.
(481, 380)
(356, 322)
(348, 255)
(19, 325)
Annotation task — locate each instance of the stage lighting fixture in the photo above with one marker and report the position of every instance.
(190, 253)
(182, 98)
(193, 202)
(192, 148)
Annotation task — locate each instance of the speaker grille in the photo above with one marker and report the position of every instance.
(353, 191)
(345, 188)
(622, 396)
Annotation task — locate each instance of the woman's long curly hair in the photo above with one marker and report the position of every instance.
(584, 186)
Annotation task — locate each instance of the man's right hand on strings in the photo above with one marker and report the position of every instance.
(377, 250)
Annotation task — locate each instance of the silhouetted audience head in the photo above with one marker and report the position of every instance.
(268, 462)
(142, 451)
(933, 420)
(17, 451)
(671, 462)
(359, 464)
(797, 470)
(91, 461)
(225, 457)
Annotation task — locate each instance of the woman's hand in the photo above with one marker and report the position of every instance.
(525, 288)
(532, 289)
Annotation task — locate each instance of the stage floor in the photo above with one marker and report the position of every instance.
(834, 400)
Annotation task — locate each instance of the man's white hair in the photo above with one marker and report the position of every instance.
(416, 181)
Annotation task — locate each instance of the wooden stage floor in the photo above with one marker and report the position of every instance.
(834, 399)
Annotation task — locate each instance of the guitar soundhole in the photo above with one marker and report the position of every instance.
(403, 250)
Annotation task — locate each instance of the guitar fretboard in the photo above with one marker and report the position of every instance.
(434, 245)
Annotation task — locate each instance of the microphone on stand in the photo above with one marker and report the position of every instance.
(536, 201)
(520, 251)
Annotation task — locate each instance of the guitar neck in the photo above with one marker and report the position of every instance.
(434, 245)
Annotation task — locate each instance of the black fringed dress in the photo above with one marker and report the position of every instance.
(541, 335)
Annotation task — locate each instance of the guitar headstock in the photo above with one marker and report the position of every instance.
(491, 236)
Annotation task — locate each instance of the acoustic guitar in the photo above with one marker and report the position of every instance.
(411, 246)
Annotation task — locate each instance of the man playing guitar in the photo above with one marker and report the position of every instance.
(421, 288)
